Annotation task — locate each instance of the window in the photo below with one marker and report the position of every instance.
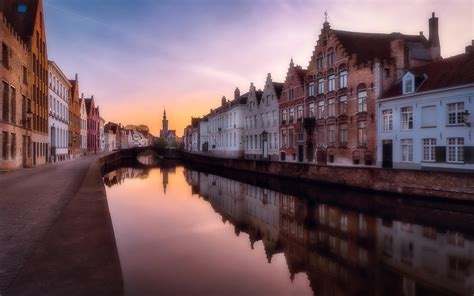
(5, 55)
(284, 140)
(311, 89)
(343, 79)
(292, 114)
(407, 118)
(456, 113)
(319, 60)
(4, 145)
(13, 146)
(275, 118)
(291, 94)
(407, 150)
(408, 86)
(429, 149)
(299, 112)
(331, 56)
(332, 107)
(343, 105)
(321, 86)
(5, 99)
(331, 82)
(428, 116)
(284, 115)
(362, 133)
(25, 75)
(332, 135)
(320, 109)
(343, 135)
(387, 120)
(311, 109)
(362, 100)
(13, 105)
(22, 8)
(456, 150)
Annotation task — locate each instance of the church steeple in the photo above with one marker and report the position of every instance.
(165, 124)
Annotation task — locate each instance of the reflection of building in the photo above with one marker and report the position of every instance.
(165, 171)
(419, 260)
(118, 176)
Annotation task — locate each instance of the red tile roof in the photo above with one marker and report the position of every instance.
(449, 72)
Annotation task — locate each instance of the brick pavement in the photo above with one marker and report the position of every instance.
(31, 200)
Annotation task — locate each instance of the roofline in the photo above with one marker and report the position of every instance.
(429, 92)
(54, 65)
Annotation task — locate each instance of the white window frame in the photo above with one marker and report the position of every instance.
(455, 113)
(406, 114)
(387, 116)
(455, 150)
(406, 150)
(428, 149)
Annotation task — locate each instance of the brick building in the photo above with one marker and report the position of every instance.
(346, 74)
(24, 106)
(74, 119)
(93, 123)
(291, 107)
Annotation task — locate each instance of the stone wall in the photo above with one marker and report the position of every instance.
(445, 185)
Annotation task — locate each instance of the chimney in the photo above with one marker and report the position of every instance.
(223, 101)
(470, 48)
(236, 93)
(435, 47)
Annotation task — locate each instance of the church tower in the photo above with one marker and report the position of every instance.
(165, 124)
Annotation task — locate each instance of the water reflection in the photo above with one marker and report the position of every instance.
(330, 249)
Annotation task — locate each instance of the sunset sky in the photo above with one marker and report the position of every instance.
(137, 57)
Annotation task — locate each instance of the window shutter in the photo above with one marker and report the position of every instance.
(440, 153)
(468, 154)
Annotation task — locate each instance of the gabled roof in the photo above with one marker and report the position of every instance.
(368, 46)
(453, 71)
(88, 102)
(242, 100)
(258, 95)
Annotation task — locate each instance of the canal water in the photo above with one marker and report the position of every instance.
(180, 231)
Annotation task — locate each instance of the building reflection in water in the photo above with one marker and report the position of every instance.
(343, 251)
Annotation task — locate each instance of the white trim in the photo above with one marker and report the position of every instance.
(428, 92)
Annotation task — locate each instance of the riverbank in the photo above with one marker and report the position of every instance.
(429, 184)
(75, 251)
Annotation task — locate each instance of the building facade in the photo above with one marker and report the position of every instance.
(93, 123)
(261, 121)
(291, 107)
(16, 94)
(59, 97)
(24, 101)
(83, 125)
(75, 119)
(425, 120)
(101, 134)
(226, 127)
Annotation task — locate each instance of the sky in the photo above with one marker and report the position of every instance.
(139, 57)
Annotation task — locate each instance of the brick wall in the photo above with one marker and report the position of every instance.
(447, 185)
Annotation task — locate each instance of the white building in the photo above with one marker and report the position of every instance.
(83, 132)
(101, 134)
(425, 121)
(58, 122)
(204, 135)
(226, 125)
(261, 121)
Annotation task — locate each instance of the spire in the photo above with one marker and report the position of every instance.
(291, 63)
(164, 113)
(326, 23)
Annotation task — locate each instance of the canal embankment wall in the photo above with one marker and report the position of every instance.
(434, 184)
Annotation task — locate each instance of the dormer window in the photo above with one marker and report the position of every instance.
(22, 8)
(408, 83)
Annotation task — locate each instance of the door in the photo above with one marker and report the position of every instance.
(24, 153)
(300, 153)
(387, 153)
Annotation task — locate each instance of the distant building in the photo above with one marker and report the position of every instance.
(226, 127)
(168, 135)
(425, 120)
(59, 97)
(261, 121)
(101, 134)
(83, 125)
(204, 134)
(93, 122)
(112, 136)
(75, 119)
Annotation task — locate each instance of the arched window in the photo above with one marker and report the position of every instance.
(331, 56)
(342, 76)
(362, 98)
(319, 61)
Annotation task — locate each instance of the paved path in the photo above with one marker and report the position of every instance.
(31, 200)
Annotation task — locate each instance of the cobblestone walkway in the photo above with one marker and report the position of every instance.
(30, 201)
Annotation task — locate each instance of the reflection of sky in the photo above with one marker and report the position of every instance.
(170, 53)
